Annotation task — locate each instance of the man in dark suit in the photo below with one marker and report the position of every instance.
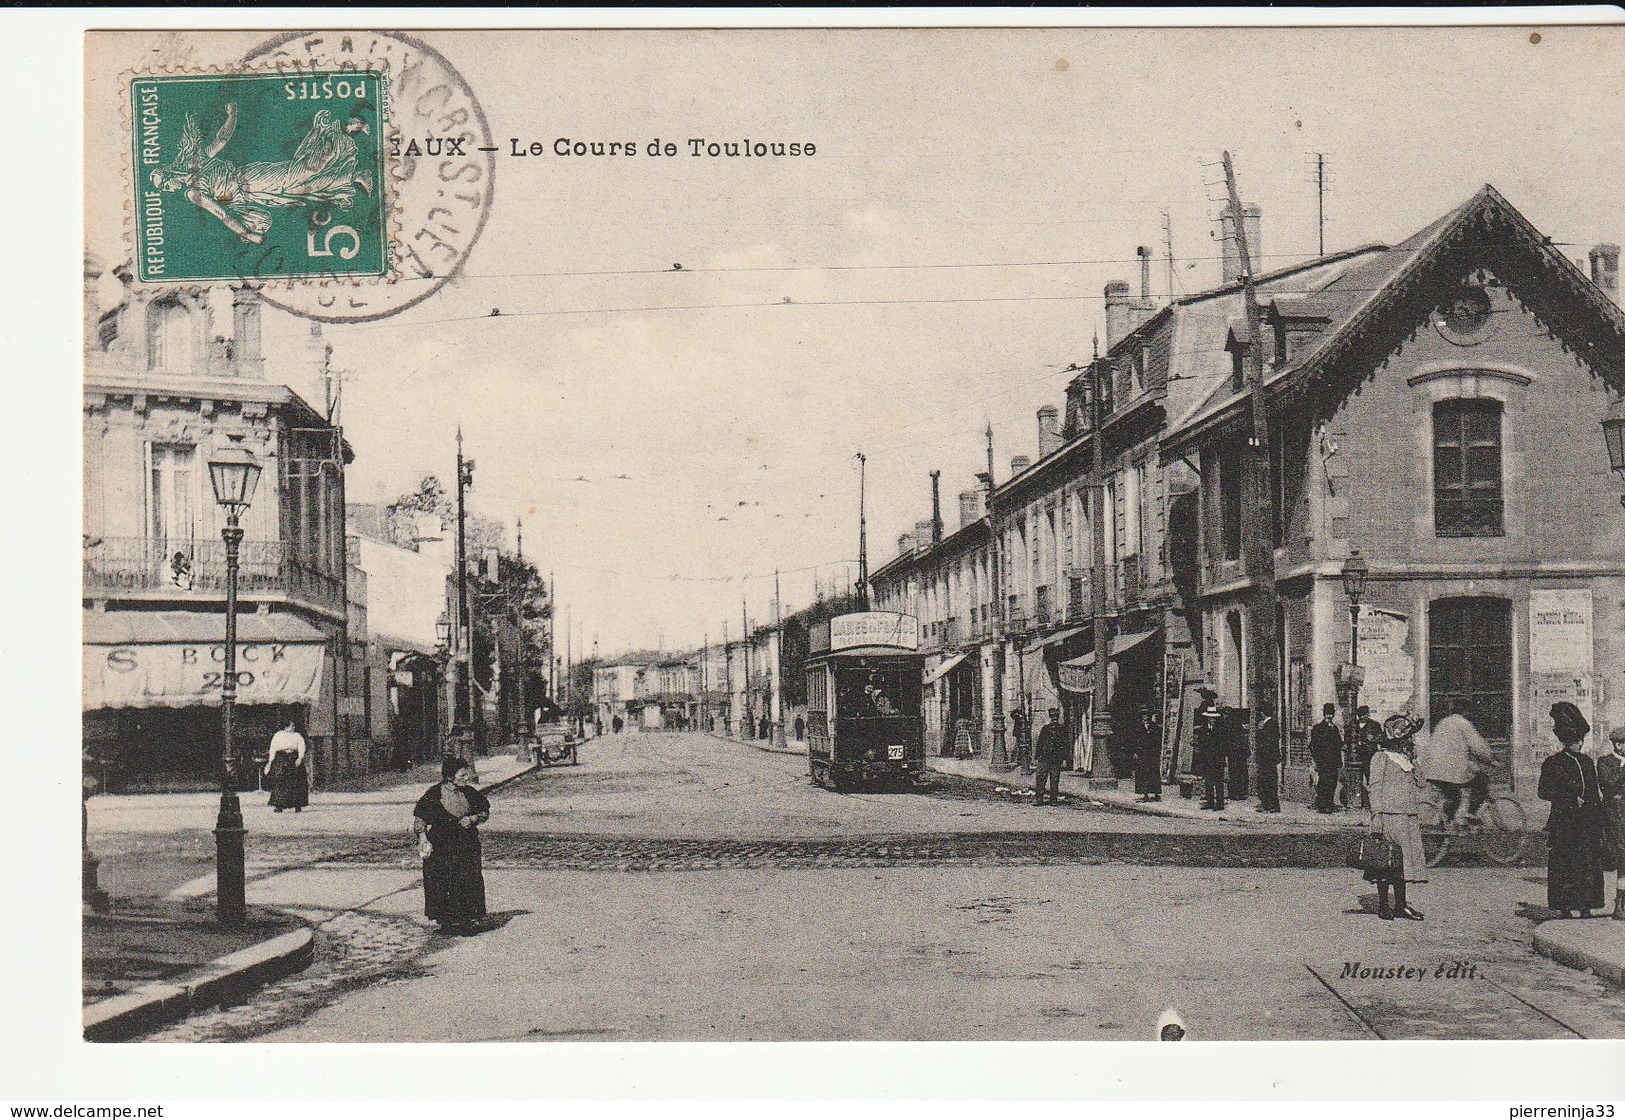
(1208, 755)
(1050, 752)
(1326, 751)
(1269, 761)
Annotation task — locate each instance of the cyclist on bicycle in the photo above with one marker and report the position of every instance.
(1458, 758)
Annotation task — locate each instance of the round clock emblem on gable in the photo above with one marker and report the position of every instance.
(1464, 316)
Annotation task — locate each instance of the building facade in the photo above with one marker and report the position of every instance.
(1437, 407)
(169, 379)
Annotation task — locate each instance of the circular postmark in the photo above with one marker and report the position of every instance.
(439, 160)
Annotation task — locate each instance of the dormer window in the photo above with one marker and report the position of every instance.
(171, 337)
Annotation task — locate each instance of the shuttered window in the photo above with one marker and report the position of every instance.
(1467, 468)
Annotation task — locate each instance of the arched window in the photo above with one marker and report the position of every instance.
(1467, 498)
(171, 338)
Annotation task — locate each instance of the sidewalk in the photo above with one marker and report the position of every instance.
(151, 960)
(1594, 945)
(791, 746)
(1294, 817)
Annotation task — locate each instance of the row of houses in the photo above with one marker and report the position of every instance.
(727, 688)
(337, 624)
(1434, 405)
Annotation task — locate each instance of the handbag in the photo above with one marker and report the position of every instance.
(1374, 852)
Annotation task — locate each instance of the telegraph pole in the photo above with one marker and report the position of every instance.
(463, 658)
(775, 654)
(525, 728)
(1258, 548)
(745, 714)
(863, 532)
(997, 758)
(1100, 718)
(1320, 200)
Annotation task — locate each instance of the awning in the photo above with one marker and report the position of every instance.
(945, 668)
(176, 659)
(1056, 638)
(1077, 675)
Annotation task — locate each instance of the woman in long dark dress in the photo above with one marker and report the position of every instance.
(285, 770)
(447, 820)
(1568, 779)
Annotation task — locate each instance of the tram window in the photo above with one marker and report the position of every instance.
(866, 692)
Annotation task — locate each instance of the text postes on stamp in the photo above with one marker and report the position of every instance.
(439, 159)
(259, 176)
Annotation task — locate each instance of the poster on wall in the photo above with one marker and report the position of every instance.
(1173, 698)
(1390, 672)
(1560, 660)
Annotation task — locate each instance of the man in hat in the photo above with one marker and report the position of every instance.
(1326, 752)
(1269, 760)
(1458, 758)
(1611, 780)
(1362, 739)
(1568, 779)
(1050, 753)
(1208, 755)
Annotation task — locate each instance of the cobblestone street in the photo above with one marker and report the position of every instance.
(748, 904)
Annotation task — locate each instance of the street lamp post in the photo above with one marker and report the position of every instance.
(1613, 434)
(233, 473)
(1354, 576)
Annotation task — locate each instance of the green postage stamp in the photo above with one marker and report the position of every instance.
(259, 176)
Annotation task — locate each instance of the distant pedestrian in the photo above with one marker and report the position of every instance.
(1458, 758)
(1326, 752)
(1236, 750)
(1208, 755)
(616, 724)
(1269, 760)
(285, 769)
(801, 728)
(446, 821)
(1147, 756)
(765, 727)
(1396, 804)
(1568, 779)
(1611, 782)
(1050, 752)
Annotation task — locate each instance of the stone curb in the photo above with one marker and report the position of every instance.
(225, 980)
(1590, 945)
(511, 778)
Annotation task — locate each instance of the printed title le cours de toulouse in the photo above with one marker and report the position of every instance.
(565, 146)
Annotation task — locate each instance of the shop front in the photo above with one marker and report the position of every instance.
(151, 693)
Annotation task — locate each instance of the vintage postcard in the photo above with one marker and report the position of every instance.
(853, 535)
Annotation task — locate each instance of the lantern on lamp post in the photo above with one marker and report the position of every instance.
(1613, 434)
(233, 473)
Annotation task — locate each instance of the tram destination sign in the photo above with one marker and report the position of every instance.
(874, 628)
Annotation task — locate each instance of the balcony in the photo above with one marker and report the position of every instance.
(141, 568)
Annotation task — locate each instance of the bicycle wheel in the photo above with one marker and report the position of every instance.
(1436, 839)
(1505, 833)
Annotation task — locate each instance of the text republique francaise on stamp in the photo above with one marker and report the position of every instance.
(259, 176)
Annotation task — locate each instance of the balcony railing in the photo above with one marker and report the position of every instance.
(115, 565)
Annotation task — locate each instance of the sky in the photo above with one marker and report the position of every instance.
(934, 268)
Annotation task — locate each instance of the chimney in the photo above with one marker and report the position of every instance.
(1118, 312)
(905, 543)
(969, 500)
(1144, 253)
(936, 507)
(1230, 250)
(1019, 463)
(1605, 270)
(922, 535)
(245, 324)
(1049, 430)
